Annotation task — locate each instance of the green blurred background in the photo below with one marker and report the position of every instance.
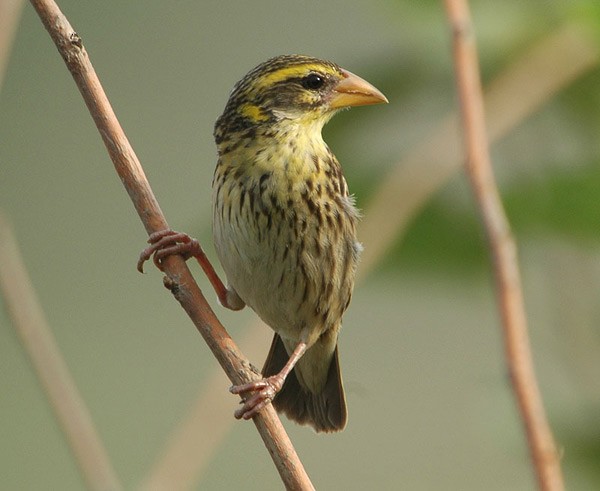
(428, 393)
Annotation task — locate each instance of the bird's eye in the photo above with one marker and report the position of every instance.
(313, 81)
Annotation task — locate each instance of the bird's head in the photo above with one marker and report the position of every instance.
(293, 90)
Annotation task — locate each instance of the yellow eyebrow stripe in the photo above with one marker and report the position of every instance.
(292, 72)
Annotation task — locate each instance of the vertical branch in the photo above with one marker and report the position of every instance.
(179, 279)
(52, 372)
(509, 293)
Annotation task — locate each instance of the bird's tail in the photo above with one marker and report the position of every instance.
(325, 411)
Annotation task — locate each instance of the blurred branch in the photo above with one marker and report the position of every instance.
(514, 95)
(179, 279)
(545, 69)
(50, 368)
(10, 13)
(197, 436)
(510, 298)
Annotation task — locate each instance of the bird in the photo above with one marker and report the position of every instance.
(284, 230)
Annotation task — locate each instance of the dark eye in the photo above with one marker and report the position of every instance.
(313, 81)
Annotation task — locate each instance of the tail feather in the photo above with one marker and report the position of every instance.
(325, 411)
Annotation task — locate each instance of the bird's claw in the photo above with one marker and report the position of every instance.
(167, 243)
(265, 391)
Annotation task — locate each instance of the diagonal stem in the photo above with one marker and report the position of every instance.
(179, 278)
(504, 252)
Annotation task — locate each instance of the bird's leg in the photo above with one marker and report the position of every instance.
(168, 242)
(267, 388)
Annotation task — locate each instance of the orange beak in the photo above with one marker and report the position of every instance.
(355, 91)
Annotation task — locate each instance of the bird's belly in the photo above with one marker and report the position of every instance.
(263, 279)
(297, 278)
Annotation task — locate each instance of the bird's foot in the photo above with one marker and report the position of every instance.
(168, 243)
(264, 390)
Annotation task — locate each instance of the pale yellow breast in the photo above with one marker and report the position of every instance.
(284, 230)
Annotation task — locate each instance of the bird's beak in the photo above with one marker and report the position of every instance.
(354, 91)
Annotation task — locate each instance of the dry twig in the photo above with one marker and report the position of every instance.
(179, 278)
(510, 299)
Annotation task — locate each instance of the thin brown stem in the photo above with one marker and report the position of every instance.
(179, 279)
(504, 252)
(50, 367)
